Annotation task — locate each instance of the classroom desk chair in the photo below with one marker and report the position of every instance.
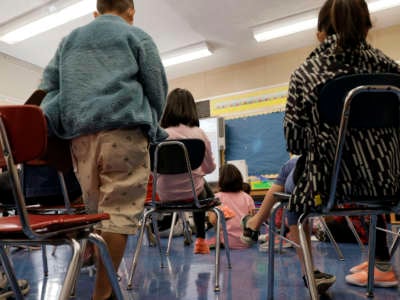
(23, 137)
(180, 157)
(358, 102)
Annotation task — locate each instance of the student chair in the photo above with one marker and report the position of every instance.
(282, 202)
(357, 102)
(23, 137)
(186, 229)
(180, 157)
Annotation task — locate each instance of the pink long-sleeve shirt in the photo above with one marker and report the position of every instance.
(177, 187)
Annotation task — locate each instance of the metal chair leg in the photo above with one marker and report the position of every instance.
(150, 235)
(217, 248)
(371, 255)
(107, 262)
(83, 245)
(158, 240)
(171, 232)
(8, 269)
(271, 252)
(312, 288)
(353, 230)
(186, 230)
(282, 230)
(44, 258)
(226, 241)
(146, 214)
(64, 191)
(331, 238)
(72, 271)
(395, 244)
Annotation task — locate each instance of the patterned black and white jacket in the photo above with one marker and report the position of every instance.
(305, 135)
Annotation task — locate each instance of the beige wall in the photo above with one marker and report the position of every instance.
(18, 79)
(269, 70)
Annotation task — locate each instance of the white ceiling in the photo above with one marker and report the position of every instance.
(224, 24)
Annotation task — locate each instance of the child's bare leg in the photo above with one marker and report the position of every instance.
(255, 222)
(116, 243)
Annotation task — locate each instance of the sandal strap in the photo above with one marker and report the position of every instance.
(253, 234)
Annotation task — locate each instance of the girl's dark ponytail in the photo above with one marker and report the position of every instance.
(351, 22)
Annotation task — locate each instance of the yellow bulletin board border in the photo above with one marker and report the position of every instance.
(250, 103)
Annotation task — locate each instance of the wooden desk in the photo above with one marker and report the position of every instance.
(255, 193)
(258, 195)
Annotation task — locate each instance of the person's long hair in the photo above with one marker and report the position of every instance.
(230, 179)
(349, 19)
(180, 109)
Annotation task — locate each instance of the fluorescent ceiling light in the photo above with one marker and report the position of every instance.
(44, 19)
(305, 21)
(284, 27)
(379, 5)
(185, 54)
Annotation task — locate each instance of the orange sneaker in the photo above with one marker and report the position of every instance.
(381, 279)
(361, 267)
(201, 247)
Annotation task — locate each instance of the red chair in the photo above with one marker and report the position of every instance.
(23, 137)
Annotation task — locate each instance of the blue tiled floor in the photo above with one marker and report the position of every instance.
(189, 276)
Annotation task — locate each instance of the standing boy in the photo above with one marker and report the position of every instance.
(106, 89)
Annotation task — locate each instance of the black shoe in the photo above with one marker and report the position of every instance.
(323, 281)
(249, 236)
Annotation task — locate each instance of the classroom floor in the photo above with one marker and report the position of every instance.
(189, 276)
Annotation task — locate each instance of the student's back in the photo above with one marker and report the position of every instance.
(110, 75)
(106, 89)
(235, 204)
(241, 204)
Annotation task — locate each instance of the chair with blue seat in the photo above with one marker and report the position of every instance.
(180, 157)
(355, 104)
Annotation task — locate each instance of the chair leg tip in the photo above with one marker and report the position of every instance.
(129, 287)
(369, 294)
(217, 289)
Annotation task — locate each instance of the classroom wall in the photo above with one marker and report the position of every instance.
(264, 153)
(269, 70)
(18, 79)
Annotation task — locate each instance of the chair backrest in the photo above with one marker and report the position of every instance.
(369, 113)
(23, 137)
(362, 101)
(58, 154)
(172, 156)
(26, 131)
(177, 157)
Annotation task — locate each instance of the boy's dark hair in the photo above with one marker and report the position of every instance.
(180, 109)
(120, 6)
(230, 179)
